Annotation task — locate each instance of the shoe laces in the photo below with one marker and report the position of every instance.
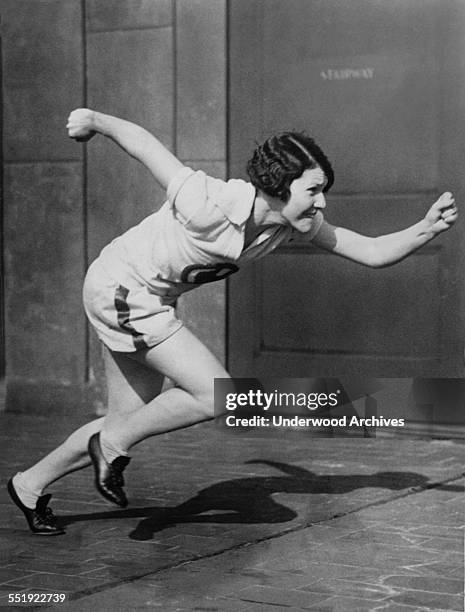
(115, 478)
(47, 518)
(116, 471)
(43, 513)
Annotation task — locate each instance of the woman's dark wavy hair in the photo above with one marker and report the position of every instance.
(283, 158)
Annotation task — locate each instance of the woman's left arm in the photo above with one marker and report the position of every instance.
(391, 248)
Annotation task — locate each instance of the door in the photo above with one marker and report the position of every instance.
(379, 85)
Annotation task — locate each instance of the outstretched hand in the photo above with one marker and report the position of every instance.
(80, 124)
(443, 213)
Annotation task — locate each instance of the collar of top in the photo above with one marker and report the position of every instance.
(236, 201)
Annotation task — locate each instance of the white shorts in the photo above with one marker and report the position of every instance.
(126, 320)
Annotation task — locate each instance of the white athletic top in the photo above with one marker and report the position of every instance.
(196, 237)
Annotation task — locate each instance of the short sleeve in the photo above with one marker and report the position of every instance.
(177, 182)
(193, 195)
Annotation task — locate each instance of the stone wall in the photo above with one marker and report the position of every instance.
(159, 63)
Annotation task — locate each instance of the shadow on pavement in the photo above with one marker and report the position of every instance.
(249, 500)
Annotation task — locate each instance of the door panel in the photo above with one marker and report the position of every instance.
(370, 80)
(360, 73)
(324, 324)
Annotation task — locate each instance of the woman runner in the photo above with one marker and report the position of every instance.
(207, 230)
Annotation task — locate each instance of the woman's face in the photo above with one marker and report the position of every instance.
(305, 199)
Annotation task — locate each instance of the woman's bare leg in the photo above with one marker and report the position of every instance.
(68, 457)
(190, 365)
(135, 412)
(135, 385)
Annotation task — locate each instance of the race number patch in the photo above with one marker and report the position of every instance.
(200, 274)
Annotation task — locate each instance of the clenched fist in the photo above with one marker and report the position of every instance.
(81, 124)
(443, 213)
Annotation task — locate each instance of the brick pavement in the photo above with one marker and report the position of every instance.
(220, 522)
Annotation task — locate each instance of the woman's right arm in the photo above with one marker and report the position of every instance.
(84, 123)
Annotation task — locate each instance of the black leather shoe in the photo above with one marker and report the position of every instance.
(108, 476)
(41, 521)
